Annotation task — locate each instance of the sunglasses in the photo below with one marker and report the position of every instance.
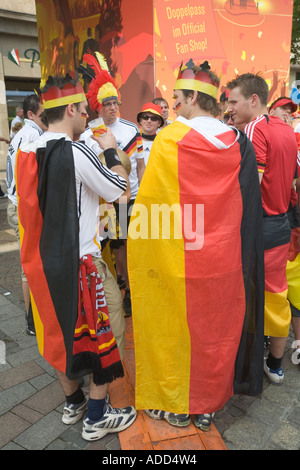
(152, 118)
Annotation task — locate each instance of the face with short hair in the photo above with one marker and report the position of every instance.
(282, 112)
(164, 109)
(38, 118)
(109, 111)
(80, 118)
(239, 108)
(181, 104)
(149, 123)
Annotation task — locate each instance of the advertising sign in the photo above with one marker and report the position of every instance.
(144, 42)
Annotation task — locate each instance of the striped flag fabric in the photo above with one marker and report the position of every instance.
(48, 224)
(195, 261)
(67, 296)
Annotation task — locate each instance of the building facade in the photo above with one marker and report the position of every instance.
(20, 70)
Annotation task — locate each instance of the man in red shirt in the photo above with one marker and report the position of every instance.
(284, 108)
(276, 154)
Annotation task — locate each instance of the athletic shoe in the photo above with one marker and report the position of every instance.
(29, 331)
(296, 356)
(174, 419)
(275, 376)
(73, 413)
(30, 328)
(203, 421)
(113, 420)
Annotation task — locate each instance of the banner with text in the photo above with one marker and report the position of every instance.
(235, 36)
(145, 42)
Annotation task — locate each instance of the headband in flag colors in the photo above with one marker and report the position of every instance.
(191, 77)
(198, 311)
(55, 96)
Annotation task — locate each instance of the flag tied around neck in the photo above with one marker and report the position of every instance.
(61, 301)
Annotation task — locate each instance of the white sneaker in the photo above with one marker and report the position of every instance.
(73, 413)
(276, 377)
(113, 420)
(174, 419)
(296, 356)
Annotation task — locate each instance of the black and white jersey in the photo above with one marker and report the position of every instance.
(129, 140)
(93, 181)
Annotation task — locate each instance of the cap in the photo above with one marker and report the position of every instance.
(283, 102)
(151, 108)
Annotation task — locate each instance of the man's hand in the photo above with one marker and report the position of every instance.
(106, 141)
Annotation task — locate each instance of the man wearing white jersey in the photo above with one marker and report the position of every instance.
(18, 119)
(128, 139)
(104, 99)
(34, 127)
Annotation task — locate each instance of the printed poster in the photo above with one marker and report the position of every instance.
(144, 42)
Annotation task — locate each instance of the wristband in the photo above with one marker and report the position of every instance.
(111, 158)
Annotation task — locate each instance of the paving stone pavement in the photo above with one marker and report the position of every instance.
(31, 399)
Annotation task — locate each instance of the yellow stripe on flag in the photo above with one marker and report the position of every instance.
(38, 324)
(293, 280)
(162, 342)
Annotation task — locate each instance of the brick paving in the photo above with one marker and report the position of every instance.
(31, 399)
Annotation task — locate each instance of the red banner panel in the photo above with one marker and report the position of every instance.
(144, 42)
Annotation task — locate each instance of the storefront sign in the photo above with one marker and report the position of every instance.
(14, 56)
(32, 54)
(29, 54)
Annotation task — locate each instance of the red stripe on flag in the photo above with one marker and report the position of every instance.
(275, 268)
(31, 220)
(215, 297)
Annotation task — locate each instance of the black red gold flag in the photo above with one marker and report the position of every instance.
(197, 284)
(49, 235)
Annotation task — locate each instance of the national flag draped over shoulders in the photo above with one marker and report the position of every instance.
(197, 285)
(49, 238)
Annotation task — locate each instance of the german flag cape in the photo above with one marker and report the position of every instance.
(195, 259)
(68, 326)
